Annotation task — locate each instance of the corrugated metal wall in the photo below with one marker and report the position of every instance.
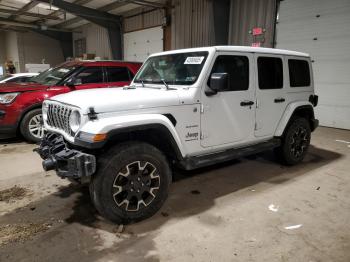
(148, 18)
(192, 23)
(2, 48)
(247, 14)
(97, 40)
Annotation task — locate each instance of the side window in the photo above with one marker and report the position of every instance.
(27, 79)
(24, 79)
(270, 72)
(237, 68)
(89, 75)
(299, 73)
(118, 74)
(15, 80)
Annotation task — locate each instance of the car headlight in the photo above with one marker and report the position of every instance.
(8, 98)
(74, 121)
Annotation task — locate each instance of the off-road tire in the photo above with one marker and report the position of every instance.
(24, 125)
(295, 142)
(121, 159)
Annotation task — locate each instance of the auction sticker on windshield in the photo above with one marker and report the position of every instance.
(194, 60)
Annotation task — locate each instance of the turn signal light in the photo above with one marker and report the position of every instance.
(99, 137)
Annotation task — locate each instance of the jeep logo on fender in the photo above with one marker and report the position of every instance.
(191, 136)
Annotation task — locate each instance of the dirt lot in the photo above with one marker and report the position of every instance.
(251, 209)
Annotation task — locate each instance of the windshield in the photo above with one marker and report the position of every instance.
(173, 69)
(53, 75)
(4, 77)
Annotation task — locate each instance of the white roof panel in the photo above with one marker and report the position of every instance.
(247, 49)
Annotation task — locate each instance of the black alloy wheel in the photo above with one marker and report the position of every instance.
(136, 185)
(295, 141)
(131, 182)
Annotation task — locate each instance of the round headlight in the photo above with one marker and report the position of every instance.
(74, 121)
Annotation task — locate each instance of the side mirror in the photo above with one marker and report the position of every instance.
(218, 82)
(71, 82)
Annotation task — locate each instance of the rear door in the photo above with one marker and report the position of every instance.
(118, 76)
(270, 93)
(229, 116)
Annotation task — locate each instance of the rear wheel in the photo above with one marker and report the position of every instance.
(32, 127)
(131, 183)
(295, 142)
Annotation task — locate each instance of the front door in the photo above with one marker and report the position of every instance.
(271, 96)
(228, 117)
(90, 77)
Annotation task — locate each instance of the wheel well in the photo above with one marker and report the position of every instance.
(26, 111)
(306, 112)
(156, 135)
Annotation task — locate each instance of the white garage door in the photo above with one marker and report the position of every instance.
(139, 45)
(322, 29)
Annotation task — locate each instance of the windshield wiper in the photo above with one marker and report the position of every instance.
(166, 85)
(143, 84)
(140, 81)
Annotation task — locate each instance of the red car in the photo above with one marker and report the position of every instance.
(20, 103)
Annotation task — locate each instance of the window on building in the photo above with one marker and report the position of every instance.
(118, 74)
(237, 68)
(270, 72)
(90, 75)
(299, 73)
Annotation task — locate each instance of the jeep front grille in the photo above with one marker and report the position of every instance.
(58, 117)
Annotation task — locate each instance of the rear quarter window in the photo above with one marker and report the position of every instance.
(299, 73)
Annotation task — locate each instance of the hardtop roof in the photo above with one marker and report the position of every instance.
(247, 49)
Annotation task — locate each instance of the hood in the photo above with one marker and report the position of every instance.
(20, 87)
(105, 100)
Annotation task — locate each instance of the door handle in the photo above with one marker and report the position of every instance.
(279, 100)
(247, 103)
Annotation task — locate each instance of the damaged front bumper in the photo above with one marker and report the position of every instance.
(68, 163)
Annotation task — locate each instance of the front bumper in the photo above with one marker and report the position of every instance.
(7, 131)
(68, 163)
(8, 127)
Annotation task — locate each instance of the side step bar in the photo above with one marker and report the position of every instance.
(230, 154)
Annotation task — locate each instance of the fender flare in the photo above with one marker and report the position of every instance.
(128, 123)
(290, 109)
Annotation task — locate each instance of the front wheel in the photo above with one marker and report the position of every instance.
(131, 183)
(32, 126)
(295, 142)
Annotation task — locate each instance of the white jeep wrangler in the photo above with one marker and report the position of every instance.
(190, 108)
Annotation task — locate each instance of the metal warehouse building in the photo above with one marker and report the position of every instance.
(132, 30)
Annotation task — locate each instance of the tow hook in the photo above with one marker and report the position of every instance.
(49, 164)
